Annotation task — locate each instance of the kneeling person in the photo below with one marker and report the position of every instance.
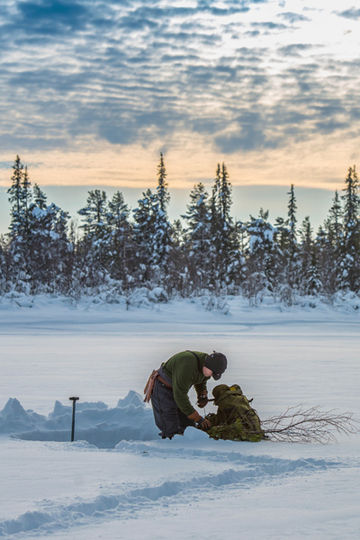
(172, 409)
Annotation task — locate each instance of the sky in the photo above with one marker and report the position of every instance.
(91, 91)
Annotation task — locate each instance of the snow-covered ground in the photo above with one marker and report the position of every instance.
(121, 480)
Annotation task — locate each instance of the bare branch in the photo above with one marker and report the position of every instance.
(309, 425)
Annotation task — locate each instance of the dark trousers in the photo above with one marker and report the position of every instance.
(168, 417)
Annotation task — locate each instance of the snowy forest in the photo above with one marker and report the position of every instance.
(116, 250)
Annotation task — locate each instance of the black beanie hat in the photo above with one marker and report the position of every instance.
(217, 362)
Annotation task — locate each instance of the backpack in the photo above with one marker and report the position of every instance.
(235, 419)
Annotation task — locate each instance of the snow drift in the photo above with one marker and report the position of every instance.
(96, 423)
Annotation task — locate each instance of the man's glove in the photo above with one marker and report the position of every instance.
(199, 421)
(203, 424)
(202, 400)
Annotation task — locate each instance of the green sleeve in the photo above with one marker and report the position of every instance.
(184, 372)
(181, 388)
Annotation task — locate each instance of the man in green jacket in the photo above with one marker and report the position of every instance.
(172, 409)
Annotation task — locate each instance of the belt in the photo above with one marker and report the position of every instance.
(149, 387)
(163, 381)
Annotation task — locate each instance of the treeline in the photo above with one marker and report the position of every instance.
(206, 251)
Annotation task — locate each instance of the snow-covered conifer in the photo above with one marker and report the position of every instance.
(120, 239)
(162, 227)
(224, 265)
(198, 237)
(49, 247)
(329, 248)
(178, 278)
(291, 255)
(263, 259)
(19, 249)
(162, 186)
(309, 280)
(152, 232)
(94, 244)
(4, 274)
(350, 262)
(333, 223)
(144, 236)
(292, 207)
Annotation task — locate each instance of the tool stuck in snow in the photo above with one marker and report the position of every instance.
(236, 420)
(74, 400)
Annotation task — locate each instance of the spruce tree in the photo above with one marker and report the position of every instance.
(144, 237)
(48, 244)
(120, 239)
(19, 235)
(40, 224)
(262, 265)
(334, 223)
(26, 191)
(4, 274)
(162, 186)
(330, 250)
(178, 277)
(162, 227)
(152, 233)
(95, 242)
(309, 281)
(326, 266)
(224, 195)
(351, 224)
(292, 248)
(62, 250)
(292, 221)
(16, 189)
(215, 229)
(198, 237)
(225, 257)
(39, 198)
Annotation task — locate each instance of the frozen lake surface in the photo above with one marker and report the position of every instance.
(192, 486)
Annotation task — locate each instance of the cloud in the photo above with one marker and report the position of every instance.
(249, 138)
(293, 17)
(329, 126)
(52, 16)
(5, 164)
(269, 25)
(351, 13)
(248, 132)
(135, 72)
(190, 31)
(31, 141)
(137, 21)
(294, 49)
(49, 78)
(252, 33)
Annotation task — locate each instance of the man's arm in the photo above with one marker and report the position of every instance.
(185, 371)
(182, 399)
(183, 402)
